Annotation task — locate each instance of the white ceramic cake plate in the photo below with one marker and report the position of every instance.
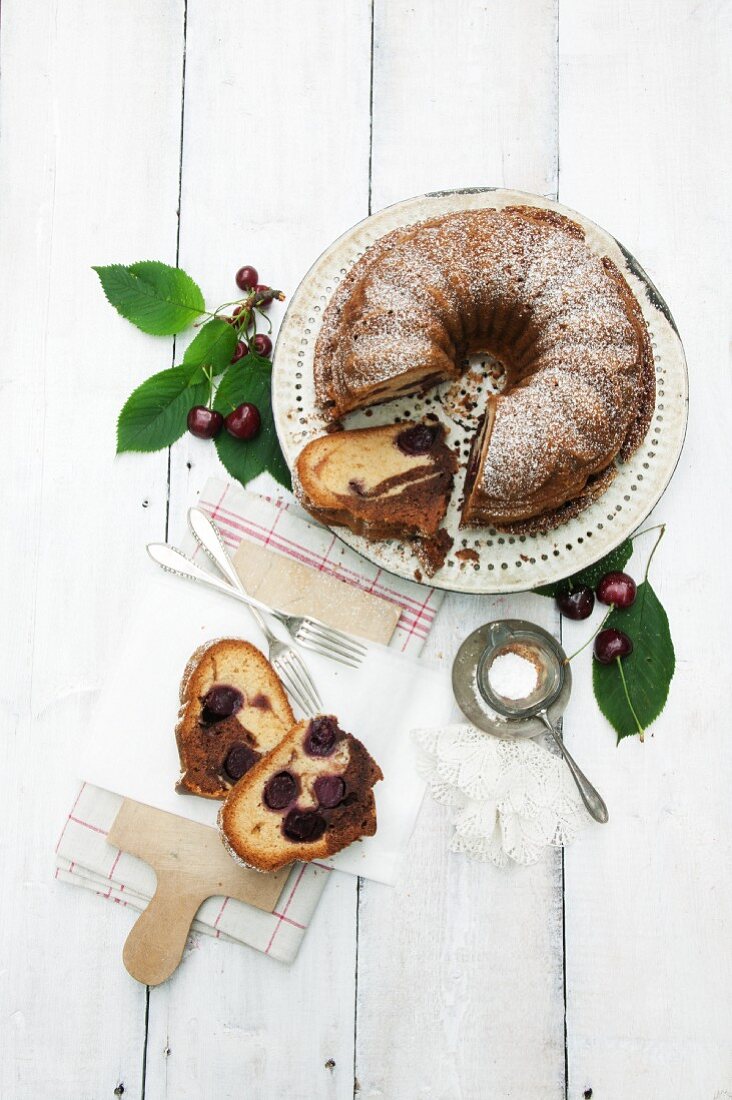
(505, 563)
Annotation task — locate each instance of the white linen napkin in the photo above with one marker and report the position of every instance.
(83, 855)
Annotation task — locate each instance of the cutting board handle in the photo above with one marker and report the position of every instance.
(155, 945)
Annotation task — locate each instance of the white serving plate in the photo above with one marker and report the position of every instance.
(506, 562)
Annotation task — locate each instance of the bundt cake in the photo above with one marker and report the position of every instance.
(380, 482)
(521, 284)
(310, 797)
(233, 709)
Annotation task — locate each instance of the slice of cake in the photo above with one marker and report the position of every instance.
(310, 797)
(233, 711)
(383, 482)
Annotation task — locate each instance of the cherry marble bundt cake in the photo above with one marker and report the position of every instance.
(380, 482)
(522, 284)
(310, 797)
(233, 710)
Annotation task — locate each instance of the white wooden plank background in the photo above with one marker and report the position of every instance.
(295, 120)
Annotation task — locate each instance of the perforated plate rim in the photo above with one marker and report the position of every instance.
(507, 563)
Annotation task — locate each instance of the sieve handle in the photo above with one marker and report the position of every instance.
(591, 798)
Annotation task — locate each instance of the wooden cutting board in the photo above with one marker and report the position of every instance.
(191, 865)
(188, 858)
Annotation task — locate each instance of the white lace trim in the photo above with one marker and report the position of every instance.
(511, 800)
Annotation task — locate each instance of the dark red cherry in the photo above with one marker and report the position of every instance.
(617, 589)
(239, 351)
(204, 423)
(577, 603)
(247, 278)
(281, 790)
(610, 644)
(263, 297)
(239, 760)
(329, 790)
(262, 345)
(304, 826)
(221, 701)
(244, 422)
(321, 737)
(418, 440)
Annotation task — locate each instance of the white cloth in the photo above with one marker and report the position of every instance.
(510, 800)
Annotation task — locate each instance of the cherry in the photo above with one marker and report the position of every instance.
(418, 440)
(262, 345)
(239, 760)
(244, 422)
(239, 351)
(221, 701)
(281, 790)
(263, 296)
(610, 644)
(247, 278)
(576, 603)
(617, 589)
(329, 790)
(204, 423)
(304, 825)
(321, 738)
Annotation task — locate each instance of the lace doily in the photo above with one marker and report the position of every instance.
(511, 800)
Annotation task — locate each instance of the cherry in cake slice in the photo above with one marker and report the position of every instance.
(309, 798)
(233, 711)
(389, 481)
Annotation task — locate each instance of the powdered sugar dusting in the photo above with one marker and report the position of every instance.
(522, 283)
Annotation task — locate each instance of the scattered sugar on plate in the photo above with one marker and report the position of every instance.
(512, 676)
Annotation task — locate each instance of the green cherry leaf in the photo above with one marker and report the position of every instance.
(613, 562)
(648, 670)
(159, 299)
(212, 347)
(250, 380)
(154, 415)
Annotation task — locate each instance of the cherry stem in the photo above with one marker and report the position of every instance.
(641, 731)
(591, 638)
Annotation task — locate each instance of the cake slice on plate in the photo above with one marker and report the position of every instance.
(233, 711)
(383, 482)
(309, 798)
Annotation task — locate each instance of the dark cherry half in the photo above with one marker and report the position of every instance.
(418, 440)
(321, 737)
(219, 702)
(304, 826)
(240, 758)
(329, 790)
(610, 644)
(618, 589)
(577, 603)
(281, 790)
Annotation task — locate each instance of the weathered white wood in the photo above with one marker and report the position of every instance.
(645, 149)
(460, 966)
(89, 118)
(275, 165)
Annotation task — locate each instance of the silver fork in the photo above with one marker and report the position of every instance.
(285, 660)
(305, 629)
